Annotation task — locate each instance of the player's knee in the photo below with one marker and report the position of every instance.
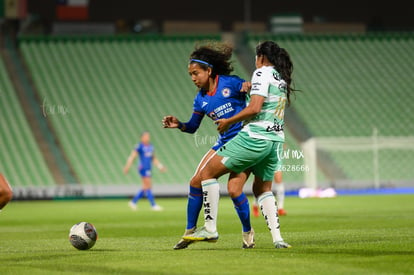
(195, 181)
(203, 175)
(258, 190)
(234, 191)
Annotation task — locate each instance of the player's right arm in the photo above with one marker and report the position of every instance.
(189, 127)
(130, 160)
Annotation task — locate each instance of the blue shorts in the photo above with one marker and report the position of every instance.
(145, 172)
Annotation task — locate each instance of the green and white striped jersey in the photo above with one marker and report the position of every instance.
(268, 124)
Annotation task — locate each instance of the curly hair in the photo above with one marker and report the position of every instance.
(215, 54)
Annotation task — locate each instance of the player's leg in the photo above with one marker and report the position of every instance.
(241, 205)
(262, 189)
(280, 192)
(147, 187)
(194, 202)
(213, 169)
(141, 192)
(268, 206)
(235, 156)
(195, 196)
(6, 192)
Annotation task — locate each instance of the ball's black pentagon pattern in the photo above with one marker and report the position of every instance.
(78, 242)
(90, 231)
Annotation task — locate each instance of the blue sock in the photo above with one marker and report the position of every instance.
(150, 197)
(194, 204)
(139, 195)
(241, 204)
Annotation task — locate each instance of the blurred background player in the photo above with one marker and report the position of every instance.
(280, 195)
(219, 95)
(145, 151)
(6, 192)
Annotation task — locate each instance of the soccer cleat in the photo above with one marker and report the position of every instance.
(282, 212)
(282, 244)
(132, 205)
(248, 239)
(255, 210)
(185, 243)
(157, 208)
(202, 235)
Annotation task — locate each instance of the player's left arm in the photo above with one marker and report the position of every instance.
(254, 107)
(157, 163)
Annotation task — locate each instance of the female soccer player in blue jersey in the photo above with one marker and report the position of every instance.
(220, 95)
(145, 151)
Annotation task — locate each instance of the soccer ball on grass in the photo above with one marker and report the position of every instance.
(83, 235)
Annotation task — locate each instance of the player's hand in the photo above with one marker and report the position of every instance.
(246, 86)
(222, 125)
(125, 170)
(170, 122)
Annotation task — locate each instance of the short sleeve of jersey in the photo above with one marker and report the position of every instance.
(238, 83)
(260, 82)
(138, 148)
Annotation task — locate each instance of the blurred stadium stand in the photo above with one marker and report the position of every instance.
(22, 161)
(105, 91)
(100, 92)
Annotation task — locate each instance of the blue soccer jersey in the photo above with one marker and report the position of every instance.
(146, 153)
(224, 102)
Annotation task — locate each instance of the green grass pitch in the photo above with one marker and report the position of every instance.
(343, 235)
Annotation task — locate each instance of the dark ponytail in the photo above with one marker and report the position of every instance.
(280, 60)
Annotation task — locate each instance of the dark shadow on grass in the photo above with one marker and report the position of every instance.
(338, 251)
(92, 268)
(74, 253)
(357, 252)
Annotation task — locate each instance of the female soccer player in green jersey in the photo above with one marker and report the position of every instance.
(255, 148)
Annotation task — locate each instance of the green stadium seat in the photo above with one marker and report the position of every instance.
(21, 160)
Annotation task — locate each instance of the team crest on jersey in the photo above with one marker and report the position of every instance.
(225, 92)
(212, 115)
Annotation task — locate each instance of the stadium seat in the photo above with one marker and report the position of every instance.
(21, 159)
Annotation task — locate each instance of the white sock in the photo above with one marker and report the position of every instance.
(211, 196)
(267, 203)
(280, 194)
